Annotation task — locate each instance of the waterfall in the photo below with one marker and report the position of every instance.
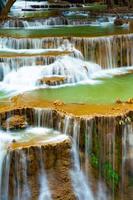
(108, 52)
(44, 23)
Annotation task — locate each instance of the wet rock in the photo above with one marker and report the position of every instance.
(58, 103)
(131, 25)
(55, 80)
(15, 122)
(119, 21)
(130, 101)
(118, 101)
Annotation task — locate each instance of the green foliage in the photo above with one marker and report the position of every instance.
(110, 175)
(94, 161)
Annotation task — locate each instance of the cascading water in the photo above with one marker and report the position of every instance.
(43, 117)
(74, 70)
(98, 144)
(16, 68)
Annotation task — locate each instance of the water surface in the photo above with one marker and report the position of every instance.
(107, 91)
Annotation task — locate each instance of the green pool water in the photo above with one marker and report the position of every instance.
(4, 98)
(88, 31)
(106, 92)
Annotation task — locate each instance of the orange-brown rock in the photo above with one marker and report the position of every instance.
(118, 101)
(54, 80)
(58, 103)
(130, 101)
(15, 122)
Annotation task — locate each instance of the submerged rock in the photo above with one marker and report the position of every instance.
(15, 122)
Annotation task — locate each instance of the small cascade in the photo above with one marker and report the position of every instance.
(29, 43)
(43, 118)
(43, 23)
(75, 70)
